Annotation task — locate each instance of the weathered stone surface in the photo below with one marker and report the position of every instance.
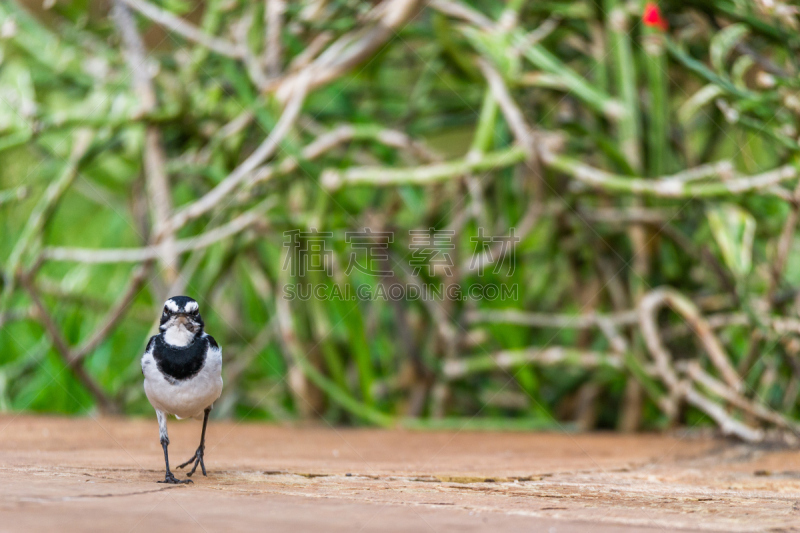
(86, 474)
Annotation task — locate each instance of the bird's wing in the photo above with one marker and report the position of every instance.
(149, 350)
(213, 347)
(212, 342)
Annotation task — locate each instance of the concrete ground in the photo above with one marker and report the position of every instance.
(86, 474)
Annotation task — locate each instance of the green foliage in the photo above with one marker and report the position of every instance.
(734, 230)
(638, 102)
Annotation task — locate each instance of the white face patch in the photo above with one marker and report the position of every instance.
(178, 335)
(172, 306)
(191, 307)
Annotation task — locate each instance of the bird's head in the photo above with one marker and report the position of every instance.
(181, 321)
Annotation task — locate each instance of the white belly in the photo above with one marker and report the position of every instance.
(185, 398)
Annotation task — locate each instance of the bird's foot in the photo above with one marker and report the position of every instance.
(172, 480)
(197, 459)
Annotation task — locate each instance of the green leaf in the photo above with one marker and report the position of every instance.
(734, 230)
(739, 69)
(179, 7)
(697, 101)
(723, 42)
(17, 98)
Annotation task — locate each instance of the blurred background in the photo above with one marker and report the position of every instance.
(643, 154)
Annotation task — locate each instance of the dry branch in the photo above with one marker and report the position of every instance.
(156, 179)
(264, 151)
(185, 29)
(114, 315)
(649, 306)
(701, 377)
(512, 113)
(464, 12)
(273, 54)
(551, 320)
(148, 253)
(727, 424)
(349, 50)
(674, 186)
(423, 175)
(681, 388)
(506, 359)
(106, 403)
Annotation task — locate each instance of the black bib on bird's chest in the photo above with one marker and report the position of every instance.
(180, 362)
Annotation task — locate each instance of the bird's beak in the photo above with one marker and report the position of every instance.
(183, 319)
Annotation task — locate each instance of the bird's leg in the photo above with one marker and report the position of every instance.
(197, 458)
(162, 430)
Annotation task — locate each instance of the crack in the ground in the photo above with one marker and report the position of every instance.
(90, 496)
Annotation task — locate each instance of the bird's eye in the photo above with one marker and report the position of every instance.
(165, 310)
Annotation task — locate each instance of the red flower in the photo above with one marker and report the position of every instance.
(652, 17)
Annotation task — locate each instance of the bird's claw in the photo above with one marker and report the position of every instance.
(197, 459)
(172, 480)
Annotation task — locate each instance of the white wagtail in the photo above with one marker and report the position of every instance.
(182, 373)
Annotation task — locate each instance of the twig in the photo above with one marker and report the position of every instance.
(648, 307)
(401, 141)
(464, 12)
(586, 409)
(674, 186)
(156, 180)
(682, 389)
(424, 175)
(317, 44)
(114, 314)
(331, 139)
(551, 320)
(701, 377)
(185, 29)
(728, 425)
(540, 33)
(148, 253)
(351, 49)
(238, 124)
(106, 404)
(626, 215)
(505, 359)
(509, 108)
(254, 65)
(783, 247)
(274, 52)
(265, 150)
